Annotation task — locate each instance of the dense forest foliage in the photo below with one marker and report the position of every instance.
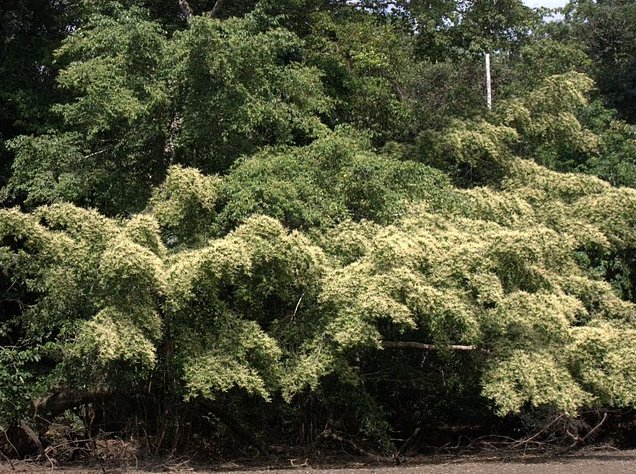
(240, 224)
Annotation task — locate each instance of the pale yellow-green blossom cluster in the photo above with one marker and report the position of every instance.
(272, 311)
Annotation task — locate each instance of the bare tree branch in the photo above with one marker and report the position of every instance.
(216, 8)
(427, 347)
(63, 400)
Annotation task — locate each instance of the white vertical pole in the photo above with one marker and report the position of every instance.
(488, 83)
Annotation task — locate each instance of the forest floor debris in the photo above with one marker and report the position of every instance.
(585, 462)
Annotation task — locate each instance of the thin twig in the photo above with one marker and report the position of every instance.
(8, 459)
(330, 434)
(543, 430)
(17, 453)
(98, 152)
(578, 440)
(298, 305)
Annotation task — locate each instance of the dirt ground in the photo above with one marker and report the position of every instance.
(611, 462)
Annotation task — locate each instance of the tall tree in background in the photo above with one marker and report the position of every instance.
(607, 28)
(30, 31)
